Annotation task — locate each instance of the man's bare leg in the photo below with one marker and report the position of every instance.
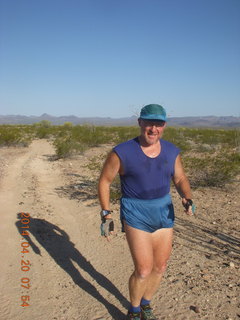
(150, 252)
(140, 245)
(162, 247)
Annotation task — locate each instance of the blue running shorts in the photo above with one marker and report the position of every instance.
(148, 215)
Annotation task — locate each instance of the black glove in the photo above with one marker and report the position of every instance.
(107, 226)
(188, 204)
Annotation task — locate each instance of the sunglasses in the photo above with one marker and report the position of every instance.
(151, 123)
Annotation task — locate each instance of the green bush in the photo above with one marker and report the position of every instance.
(45, 130)
(73, 140)
(15, 135)
(212, 171)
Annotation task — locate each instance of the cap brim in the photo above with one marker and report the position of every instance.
(154, 117)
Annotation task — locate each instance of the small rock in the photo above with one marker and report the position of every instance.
(204, 271)
(231, 265)
(206, 277)
(195, 309)
(209, 256)
(175, 280)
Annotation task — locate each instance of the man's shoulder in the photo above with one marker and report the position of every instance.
(126, 149)
(126, 144)
(169, 145)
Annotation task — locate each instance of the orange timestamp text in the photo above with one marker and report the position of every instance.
(25, 263)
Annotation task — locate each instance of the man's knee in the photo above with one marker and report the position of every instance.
(143, 272)
(160, 268)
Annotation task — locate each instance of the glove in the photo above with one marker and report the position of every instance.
(107, 227)
(187, 204)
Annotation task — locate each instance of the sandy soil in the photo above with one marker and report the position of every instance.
(73, 273)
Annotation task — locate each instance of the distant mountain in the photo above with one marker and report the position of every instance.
(205, 122)
(197, 122)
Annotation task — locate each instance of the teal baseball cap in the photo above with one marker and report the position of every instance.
(153, 112)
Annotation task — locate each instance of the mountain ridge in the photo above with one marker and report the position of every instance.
(189, 121)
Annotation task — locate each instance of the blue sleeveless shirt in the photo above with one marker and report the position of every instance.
(145, 177)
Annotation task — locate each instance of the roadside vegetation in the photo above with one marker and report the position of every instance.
(15, 135)
(211, 156)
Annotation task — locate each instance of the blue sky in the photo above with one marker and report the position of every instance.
(108, 58)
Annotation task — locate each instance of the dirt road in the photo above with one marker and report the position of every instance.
(63, 270)
(63, 282)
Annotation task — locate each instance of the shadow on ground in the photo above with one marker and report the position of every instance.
(83, 190)
(57, 243)
(207, 240)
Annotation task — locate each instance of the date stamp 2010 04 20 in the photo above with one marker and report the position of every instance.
(25, 264)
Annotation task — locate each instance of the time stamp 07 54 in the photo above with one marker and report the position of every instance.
(25, 263)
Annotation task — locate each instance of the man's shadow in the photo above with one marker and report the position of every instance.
(57, 243)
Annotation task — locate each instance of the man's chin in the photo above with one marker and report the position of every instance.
(152, 140)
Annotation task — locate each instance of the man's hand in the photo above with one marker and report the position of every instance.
(107, 227)
(189, 206)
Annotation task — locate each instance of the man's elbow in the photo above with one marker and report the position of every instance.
(103, 183)
(180, 180)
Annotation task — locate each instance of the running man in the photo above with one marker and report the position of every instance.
(146, 165)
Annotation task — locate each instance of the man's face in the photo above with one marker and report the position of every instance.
(151, 130)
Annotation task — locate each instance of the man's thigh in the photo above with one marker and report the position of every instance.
(162, 245)
(141, 246)
(149, 249)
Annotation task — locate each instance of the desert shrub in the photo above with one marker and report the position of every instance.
(68, 124)
(42, 133)
(72, 140)
(95, 163)
(212, 136)
(65, 146)
(89, 135)
(45, 130)
(214, 158)
(178, 137)
(202, 140)
(11, 135)
(122, 134)
(213, 171)
(45, 124)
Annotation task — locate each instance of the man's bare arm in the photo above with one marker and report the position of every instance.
(182, 184)
(180, 180)
(110, 170)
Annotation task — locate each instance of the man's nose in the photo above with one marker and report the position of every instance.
(153, 127)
